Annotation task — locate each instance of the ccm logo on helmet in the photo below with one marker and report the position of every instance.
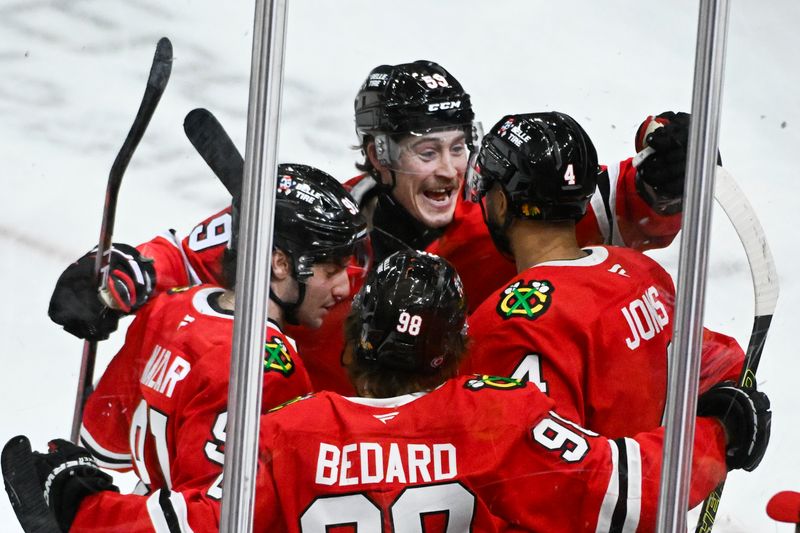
(444, 105)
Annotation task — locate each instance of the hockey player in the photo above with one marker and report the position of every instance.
(161, 406)
(415, 124)
(588, 326)
(419, 450)
(500, 460)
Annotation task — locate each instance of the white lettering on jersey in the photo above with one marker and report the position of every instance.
(530, 369)
(424, 463)
(646, 317)
(161, 375)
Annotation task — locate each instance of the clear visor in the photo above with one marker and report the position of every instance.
(417, 152)
(485, 166)
(355, 259)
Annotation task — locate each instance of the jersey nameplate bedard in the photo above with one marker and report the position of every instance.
(384, 463)
(277, 358)
(162, 372)
(525, 299)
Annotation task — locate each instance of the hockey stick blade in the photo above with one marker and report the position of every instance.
(765, 292)
(160, 71)
(22, 485)
(214, 144)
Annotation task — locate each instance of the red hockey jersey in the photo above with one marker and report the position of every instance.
(593, 334)
(478, 454)
(161, 407)
(465, 243)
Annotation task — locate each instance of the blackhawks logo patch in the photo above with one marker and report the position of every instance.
(277, 358)
(480, 382)
(525, 299)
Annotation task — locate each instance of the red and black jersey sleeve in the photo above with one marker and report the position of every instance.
(722, 359)
(177, 418)
(194, 260)
(108, 410)
(163, 511)
(618, 215)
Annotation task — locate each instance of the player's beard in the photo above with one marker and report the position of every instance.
(498, 232)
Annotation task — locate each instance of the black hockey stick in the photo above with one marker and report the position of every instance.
(214, 144)
(156, 83)
(765, 290)
(22, 485)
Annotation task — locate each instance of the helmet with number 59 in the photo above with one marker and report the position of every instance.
(411, 99)
(545, 163)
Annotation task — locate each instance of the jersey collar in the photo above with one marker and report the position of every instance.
(597, 255)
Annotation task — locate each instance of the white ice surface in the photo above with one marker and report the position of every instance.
(72, 74)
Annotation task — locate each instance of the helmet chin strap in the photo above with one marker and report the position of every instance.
(290, 309)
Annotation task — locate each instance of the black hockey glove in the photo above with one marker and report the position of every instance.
(746, 416)
(660, 177)
(56, 481)
(76, 305)
(67, 474)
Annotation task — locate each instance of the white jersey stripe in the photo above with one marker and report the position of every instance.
(104, 458)
(599, 209)
(181, 513)
(613, 180)
(170, 236)
(156, 513)
(612, 492)
(634, 486)
(175, 509)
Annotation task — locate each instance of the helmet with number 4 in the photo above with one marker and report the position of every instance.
(411, 99)
(545, 162)
(412, 312)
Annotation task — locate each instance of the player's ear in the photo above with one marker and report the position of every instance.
(499, 203)
(502, 202)
(281, 265)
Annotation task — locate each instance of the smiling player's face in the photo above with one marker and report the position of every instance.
(429, 172)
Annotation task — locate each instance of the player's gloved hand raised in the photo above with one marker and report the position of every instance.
(747, 419)
(660, 177)
(76, 304)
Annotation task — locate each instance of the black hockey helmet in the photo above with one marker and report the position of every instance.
(545, 162)
(411, 99)
(316, 220)
(413, 314)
